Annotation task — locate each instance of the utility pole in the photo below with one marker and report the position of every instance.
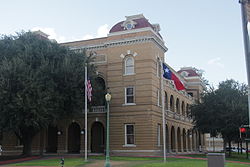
(163, 113)
(244, 4)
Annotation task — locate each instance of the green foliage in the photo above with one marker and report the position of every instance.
(40, 82)
(223, 110)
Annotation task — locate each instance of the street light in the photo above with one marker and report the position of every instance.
(107, 162)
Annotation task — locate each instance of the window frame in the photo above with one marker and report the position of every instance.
(159, 98)
(158, 134)
(133, 95)
(125, 135)
(131, 66)
(158, 68)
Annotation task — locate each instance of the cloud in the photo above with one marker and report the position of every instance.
(216, 61)
(102, 31)
(88, 36)
(51, 32)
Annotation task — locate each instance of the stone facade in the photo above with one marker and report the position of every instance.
(128, 61)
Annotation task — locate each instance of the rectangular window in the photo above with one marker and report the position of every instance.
(129, 95)
(129, 134)
(158, 134)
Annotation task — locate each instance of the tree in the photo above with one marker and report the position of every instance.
(40, 82)
(222, 111)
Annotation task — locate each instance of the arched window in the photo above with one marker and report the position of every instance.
(166, 101)
(172, 103)
(182, 108)
(129, 66)
(178, 106)
(187, 110)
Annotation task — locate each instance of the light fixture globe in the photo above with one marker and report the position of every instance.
(108, 97)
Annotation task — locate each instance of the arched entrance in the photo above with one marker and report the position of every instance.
(97, 138)
(74, 138)
(189, 135)
(184, 136)
(179, 139)
(173, 149)
(193, 140)
(167, 139)
(52, 140)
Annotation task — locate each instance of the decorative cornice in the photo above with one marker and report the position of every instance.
(128, 41)
(135, 31)
(193, 77)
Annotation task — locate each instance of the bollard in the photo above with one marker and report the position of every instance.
(62, 162)
(216, 159)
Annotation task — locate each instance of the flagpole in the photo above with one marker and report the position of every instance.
(247, 47)
(163, 114)
(86, 116)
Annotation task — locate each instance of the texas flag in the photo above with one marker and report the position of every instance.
(168, 74)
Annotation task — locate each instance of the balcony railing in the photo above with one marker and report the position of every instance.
(177, 116)
(97, 109)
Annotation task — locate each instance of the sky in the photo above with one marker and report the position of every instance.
(206, 35)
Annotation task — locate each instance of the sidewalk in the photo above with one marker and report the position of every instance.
(185, 157)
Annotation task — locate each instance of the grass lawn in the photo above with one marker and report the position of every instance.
(132, 162)
(52, 162)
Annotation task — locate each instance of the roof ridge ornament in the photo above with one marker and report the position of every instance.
(132, 17)
(129, 23)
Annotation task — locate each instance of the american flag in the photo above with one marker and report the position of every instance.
(89, 90)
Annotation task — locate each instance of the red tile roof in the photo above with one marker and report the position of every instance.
(140, 23)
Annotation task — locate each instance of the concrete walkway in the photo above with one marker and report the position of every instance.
(185, 157)
(100, 163)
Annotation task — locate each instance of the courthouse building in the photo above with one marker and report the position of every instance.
(128, 62)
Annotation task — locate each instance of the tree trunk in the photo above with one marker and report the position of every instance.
(27, 145)
(213, 145)
(41, 142)
(229, 144)
(238, 147)
(224, 145)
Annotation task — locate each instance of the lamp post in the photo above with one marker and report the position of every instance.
(107, 162)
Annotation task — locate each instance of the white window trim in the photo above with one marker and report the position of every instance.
(129, 104)
(128, 74)
(158, 97)
(158, 66)
(125, 93)
(125, 66)
(125, 135)
(158, 135)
